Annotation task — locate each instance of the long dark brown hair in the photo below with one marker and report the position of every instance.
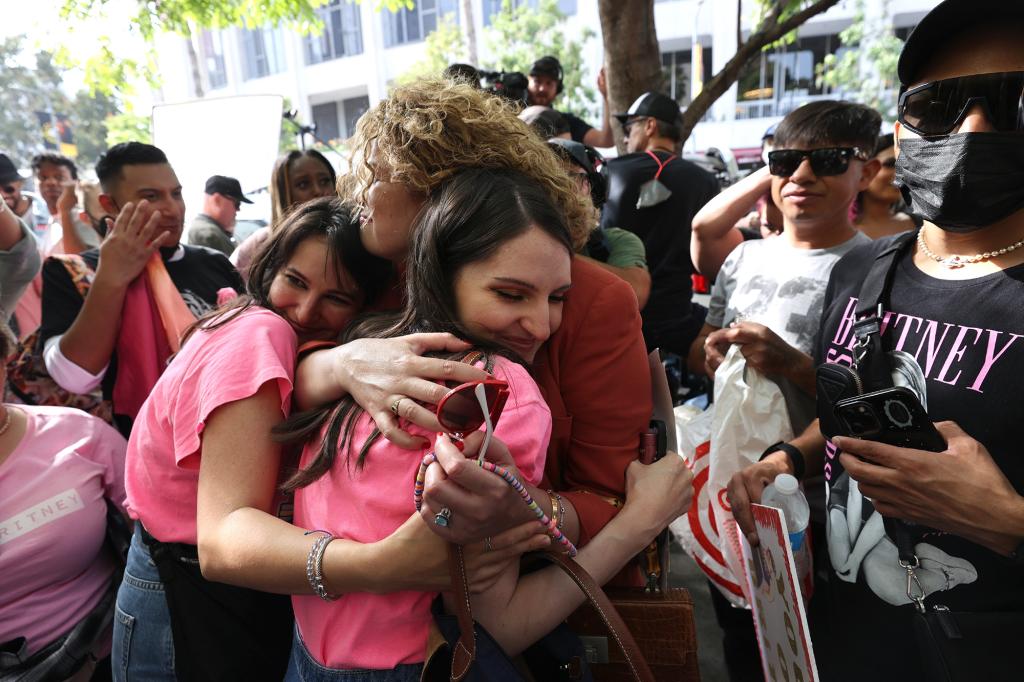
(325, 218)
(465, 220)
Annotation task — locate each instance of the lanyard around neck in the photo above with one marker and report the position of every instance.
(661, 164)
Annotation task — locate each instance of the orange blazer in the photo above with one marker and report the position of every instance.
(595, 377)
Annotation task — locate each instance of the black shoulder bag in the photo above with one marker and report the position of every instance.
(954, 646)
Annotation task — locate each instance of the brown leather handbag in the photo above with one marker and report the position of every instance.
(662, 625)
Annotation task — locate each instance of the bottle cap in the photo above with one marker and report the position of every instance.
(786, 484)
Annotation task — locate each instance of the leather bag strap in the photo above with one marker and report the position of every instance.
(465, 650)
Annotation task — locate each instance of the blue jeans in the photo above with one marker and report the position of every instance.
(302, 667)
(143, 647)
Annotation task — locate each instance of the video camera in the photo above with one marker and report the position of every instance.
(512, 85)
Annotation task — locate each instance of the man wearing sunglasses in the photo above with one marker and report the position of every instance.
(768, 294)
(954, 305)
(654, 193)
(214, 228)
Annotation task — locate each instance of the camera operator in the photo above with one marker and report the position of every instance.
(546, 83)
(954, 305)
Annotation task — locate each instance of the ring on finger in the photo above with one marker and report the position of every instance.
(394, 406)
(487, 544)
(443, 518)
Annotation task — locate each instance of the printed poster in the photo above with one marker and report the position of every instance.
(779, 617)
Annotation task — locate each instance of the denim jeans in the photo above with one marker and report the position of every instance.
(302, 667)
(143, 647)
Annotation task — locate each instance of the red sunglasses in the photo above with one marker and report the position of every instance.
(467, 407)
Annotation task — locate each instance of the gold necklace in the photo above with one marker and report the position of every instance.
(954, 261)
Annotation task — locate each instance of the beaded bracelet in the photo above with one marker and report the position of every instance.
(315, 564)
(549, 524)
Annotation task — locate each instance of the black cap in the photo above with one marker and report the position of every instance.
(229, 187)
(8, 171)
(655, 105)
(945, 21)
(547, 66)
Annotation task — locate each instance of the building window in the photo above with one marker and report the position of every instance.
(354, 109)
(325, 118)
(778, 82)
(342, 35)
(337, 120)
(492, 7)
(677, 68)
(412, 25)
(262, 52)
(211, 51)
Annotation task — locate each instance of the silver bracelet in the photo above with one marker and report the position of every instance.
(315, 564)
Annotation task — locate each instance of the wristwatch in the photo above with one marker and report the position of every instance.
(796, 459)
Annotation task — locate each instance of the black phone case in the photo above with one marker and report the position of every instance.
(905, 422)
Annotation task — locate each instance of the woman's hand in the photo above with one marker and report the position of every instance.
(382, 373)
(417, 559)
(487, 561)
(481, 503)
(657, 494)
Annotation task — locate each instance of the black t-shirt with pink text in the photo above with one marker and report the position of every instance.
(967, 337)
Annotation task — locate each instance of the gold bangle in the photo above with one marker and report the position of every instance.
(557, 509)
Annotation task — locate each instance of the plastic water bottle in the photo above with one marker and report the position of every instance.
(785, 494)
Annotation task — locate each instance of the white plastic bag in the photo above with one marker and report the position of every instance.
(748, 415)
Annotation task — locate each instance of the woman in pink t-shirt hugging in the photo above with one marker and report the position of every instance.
(221, 394)
(490, 263)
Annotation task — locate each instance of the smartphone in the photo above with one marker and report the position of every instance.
(892, 415)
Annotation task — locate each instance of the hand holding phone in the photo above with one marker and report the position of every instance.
(893, 415)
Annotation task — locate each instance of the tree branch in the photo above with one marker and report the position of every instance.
(770, 30)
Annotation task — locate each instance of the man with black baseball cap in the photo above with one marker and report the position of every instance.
(654, 193)
(546, 82)
(214, 227)
(942, 598)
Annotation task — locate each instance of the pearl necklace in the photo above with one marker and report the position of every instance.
(954, 261)
(7, 421)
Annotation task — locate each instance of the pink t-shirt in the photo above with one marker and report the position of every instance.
(380, 631)
(53, 523)
(213, 368)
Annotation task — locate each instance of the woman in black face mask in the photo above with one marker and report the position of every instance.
(936, 599)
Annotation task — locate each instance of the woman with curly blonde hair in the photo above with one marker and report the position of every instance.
(592, 370)
(430, 149)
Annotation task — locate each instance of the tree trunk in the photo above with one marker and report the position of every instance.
(193, 60)
(770, 30)
(469, 30)
(632, 57)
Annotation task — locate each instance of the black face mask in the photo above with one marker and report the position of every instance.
(962, 182)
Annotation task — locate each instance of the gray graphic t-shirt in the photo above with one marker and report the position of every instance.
(770, 282)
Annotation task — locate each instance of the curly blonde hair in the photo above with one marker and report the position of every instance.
(430, 130)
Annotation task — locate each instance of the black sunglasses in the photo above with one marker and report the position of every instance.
(8, 189)
(825, 161)
(629, 124)
(938, 107)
